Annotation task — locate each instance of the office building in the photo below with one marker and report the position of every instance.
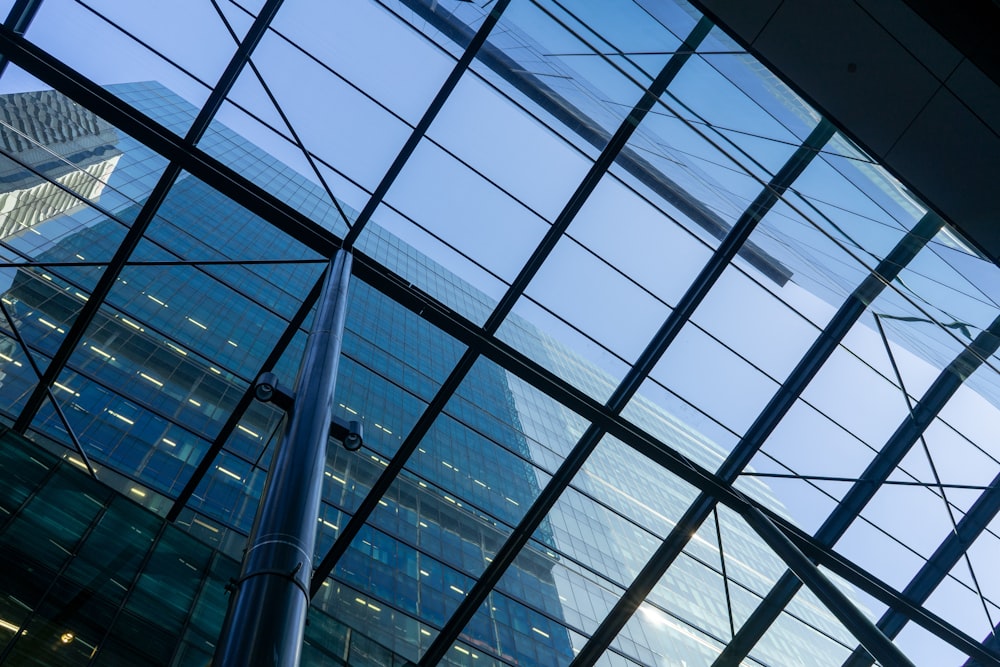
(84, 142)
(401, 565)
(572, 492)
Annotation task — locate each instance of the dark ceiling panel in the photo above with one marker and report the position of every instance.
(877, 71)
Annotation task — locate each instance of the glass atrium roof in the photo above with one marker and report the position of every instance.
(616, 288)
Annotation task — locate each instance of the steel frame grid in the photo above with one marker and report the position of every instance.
(647, 445)
(444, 393)
(226, 181)
(937, 567)
(535, 514)
(18, 19)
(503, 308)
(145, 217)
(565, 112)
(862, 491)
(294, 325)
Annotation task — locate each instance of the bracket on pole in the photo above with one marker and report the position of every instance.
(267, 389)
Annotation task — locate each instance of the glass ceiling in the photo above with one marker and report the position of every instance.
(616, 288)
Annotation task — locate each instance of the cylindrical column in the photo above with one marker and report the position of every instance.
(267, 615)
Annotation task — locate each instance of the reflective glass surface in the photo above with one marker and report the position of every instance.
(616, 287)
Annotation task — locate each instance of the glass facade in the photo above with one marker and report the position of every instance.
(106, 581)
(616, 287)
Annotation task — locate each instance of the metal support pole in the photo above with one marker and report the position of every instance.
(267, 614)
(846, 612)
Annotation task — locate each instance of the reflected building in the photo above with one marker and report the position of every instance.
(145, 407)
(148, 380)
(70, 150)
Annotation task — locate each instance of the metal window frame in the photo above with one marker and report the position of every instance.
(861, 492)
(183, 154)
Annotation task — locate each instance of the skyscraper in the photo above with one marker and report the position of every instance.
(77, 150)
(524, 497)
(443, 520)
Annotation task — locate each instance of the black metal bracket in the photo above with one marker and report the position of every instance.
(267, 389)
